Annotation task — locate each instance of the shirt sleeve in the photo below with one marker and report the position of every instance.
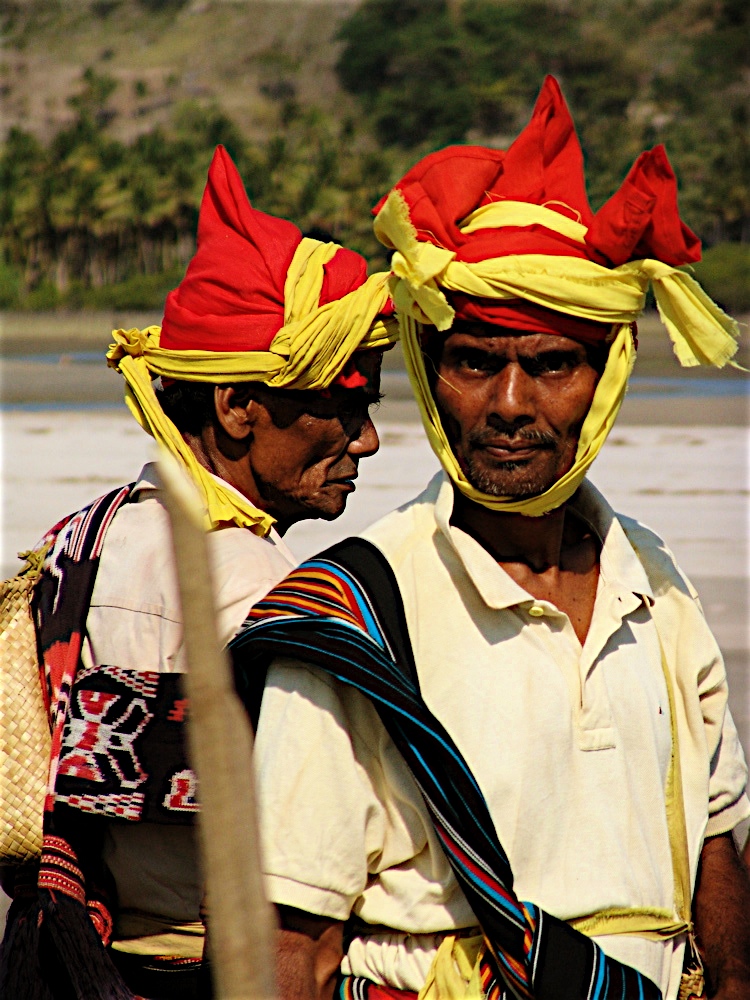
(326, 773)
(728, 801)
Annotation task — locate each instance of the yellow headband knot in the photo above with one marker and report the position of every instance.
(701, 333)
(133, 343)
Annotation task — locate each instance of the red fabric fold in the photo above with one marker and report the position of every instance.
(544, 166)
(528, 317)
(642, 218)
(232, 296)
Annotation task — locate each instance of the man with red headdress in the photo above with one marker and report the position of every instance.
(526, 777)
(258, 383)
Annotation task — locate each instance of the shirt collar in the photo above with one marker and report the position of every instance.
(148, 482)
(148, 479)
(620, 567)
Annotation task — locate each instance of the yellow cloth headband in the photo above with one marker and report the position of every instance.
(700, 332)
(308, 352)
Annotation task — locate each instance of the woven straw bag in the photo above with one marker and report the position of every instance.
(24, 725)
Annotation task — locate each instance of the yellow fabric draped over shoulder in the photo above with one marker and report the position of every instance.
(308, 352)
(421, 273)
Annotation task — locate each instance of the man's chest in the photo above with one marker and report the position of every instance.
(562, 739)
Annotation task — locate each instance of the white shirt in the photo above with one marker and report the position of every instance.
(570, 745)
(134, 622)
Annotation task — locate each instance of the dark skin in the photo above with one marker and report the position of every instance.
(721, 905)
(308, 955)
(293, 454)
(512, 406)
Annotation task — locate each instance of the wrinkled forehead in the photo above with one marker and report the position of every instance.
(493, 337)
(486, 332)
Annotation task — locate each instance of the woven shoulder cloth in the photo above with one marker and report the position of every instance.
(51, 945)
(342, 611)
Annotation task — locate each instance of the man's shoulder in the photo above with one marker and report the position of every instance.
(658, 560)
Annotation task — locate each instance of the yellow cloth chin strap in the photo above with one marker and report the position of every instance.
(605, 406)
(308, 352)
(421, 273)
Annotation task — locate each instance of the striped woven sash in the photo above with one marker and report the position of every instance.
(342, 611)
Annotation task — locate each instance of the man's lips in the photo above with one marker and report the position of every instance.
(346, 481)
(512, 450)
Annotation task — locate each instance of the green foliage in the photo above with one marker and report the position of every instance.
(405, 61)
(91, 102)
(89, 221)
(724, 272)
(429, 73)
(44, 298)
(10, 286)
(159, 6)
(142, 291)
(86, 219)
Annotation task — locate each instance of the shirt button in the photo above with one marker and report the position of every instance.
(536, 611)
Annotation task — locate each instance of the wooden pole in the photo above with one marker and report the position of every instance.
(220, 741)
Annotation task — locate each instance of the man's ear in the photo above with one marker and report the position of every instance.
(236, 410)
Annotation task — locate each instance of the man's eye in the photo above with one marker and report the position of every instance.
(477, 361)
(358, 408)
(549, 363)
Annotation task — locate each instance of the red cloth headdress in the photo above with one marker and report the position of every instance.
(544, 166)
(232, 296)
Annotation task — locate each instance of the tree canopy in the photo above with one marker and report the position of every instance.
(83, 214)
(432, 72)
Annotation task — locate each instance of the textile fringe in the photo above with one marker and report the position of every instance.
(51, 951)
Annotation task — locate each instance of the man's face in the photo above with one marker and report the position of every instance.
(307, 446)
(512, 405)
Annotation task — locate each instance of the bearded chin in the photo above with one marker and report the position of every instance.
(491, 481)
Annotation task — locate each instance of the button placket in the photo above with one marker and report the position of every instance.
(596, 731)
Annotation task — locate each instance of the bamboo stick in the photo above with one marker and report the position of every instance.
(220, 743)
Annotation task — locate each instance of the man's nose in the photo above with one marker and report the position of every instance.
(366, 442)
(513, 396)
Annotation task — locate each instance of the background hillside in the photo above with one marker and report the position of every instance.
(111, 110)
(239, 55)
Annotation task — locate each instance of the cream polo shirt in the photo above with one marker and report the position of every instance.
(570, 746)
(134, 621)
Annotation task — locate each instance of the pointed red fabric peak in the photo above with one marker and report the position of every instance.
(543, 166)
(545, 163)
(232, 296)
(642, 218)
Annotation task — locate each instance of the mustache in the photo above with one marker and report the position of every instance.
(511, 435)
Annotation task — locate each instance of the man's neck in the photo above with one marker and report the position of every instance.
(537, 542)
(554, 558)
(232, 469)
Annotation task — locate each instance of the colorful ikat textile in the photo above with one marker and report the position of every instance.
(117, 754)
